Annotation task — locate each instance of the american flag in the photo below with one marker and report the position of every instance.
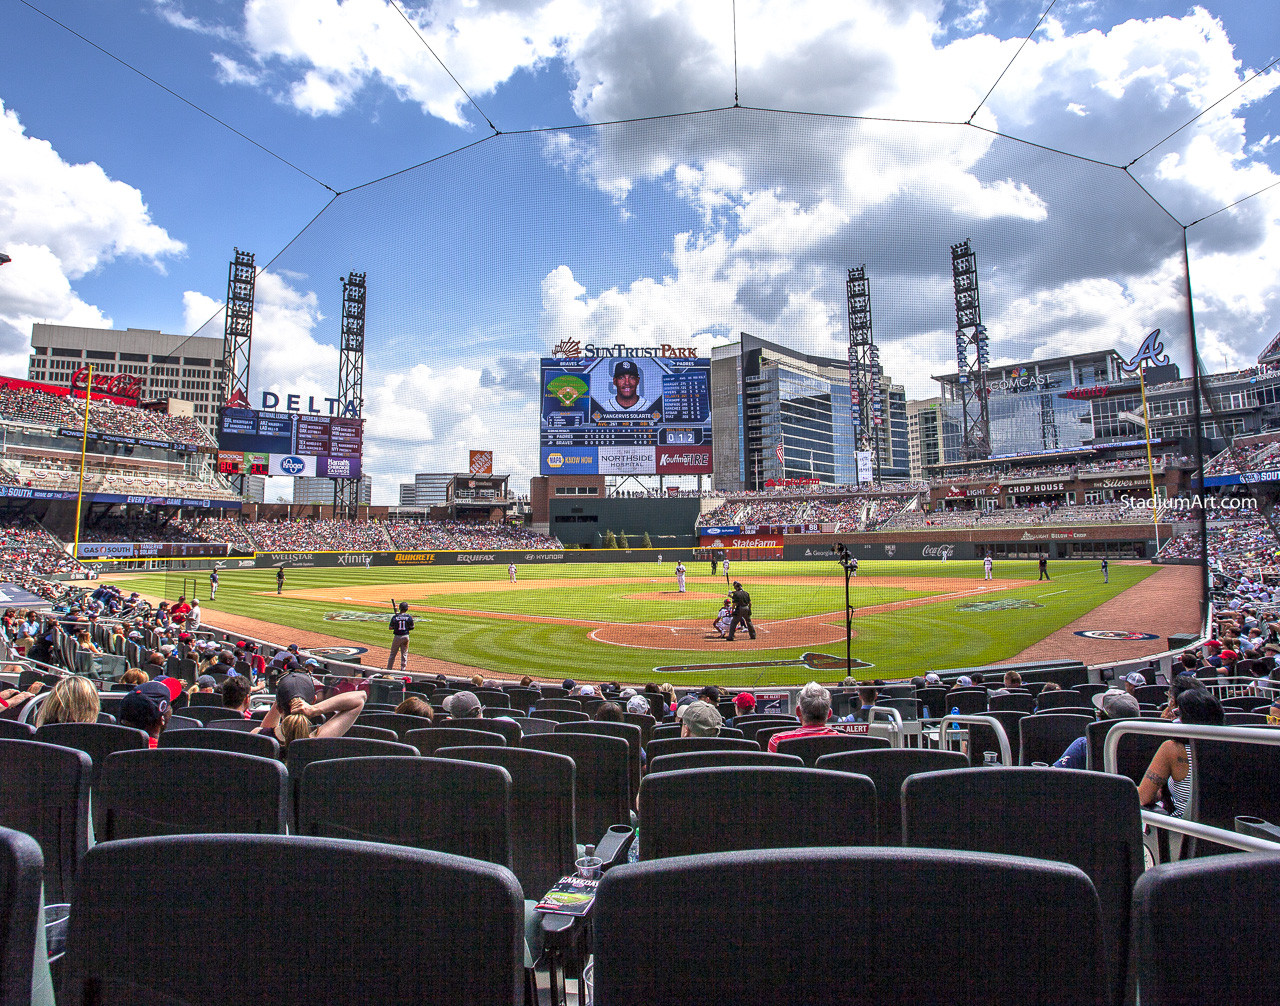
(778, 451)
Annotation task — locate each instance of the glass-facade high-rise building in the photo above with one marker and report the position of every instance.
(1028, 411)
(765, 396)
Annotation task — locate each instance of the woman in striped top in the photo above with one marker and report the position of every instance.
(1172, 765)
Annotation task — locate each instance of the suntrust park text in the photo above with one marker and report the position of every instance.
(590, 350)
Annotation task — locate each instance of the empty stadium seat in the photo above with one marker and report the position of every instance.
(888, 770)
(421, 944)
(237, 741)
(810, 749)
(720, 757)
(1044, 737)
(24, 965)
(867, 944)
(601, 782)
(45, 793)
(432, 739)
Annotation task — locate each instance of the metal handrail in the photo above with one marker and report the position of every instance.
(1006, 753)
(1192, 731)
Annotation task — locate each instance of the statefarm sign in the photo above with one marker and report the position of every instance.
(742, 541)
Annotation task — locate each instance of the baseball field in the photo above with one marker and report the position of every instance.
(628, 622)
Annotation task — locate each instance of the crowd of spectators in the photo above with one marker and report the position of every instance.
(105, 417)
(465, 535)
(1251, 458)
(308, 535)
(27, 549)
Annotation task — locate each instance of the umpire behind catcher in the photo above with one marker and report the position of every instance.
(401, 625)
(741, 611)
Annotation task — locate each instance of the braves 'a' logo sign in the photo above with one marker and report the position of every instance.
(1151, 351)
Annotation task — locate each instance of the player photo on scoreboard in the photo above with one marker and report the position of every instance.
(623, 386)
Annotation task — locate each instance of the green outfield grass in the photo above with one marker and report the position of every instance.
(907, 641)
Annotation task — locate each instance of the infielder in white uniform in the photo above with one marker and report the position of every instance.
(511, 572)
(680, 575)
(986, 568)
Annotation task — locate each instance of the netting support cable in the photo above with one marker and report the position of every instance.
(969, 121)
(427, 45)
(1203, 111)
(735, 52)
(1242, 199)
(172, 93)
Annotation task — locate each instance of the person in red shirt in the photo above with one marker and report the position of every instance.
(179, 611)
(813, 708)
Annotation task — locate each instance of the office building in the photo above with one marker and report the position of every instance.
(310, 490)
(188, 368)
(778, 414)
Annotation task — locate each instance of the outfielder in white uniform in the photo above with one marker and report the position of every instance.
(986, 568)
(511, 572)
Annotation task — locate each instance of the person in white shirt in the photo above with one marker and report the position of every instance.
(626, 386)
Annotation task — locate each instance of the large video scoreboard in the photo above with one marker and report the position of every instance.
(252, 442)
(626, 415)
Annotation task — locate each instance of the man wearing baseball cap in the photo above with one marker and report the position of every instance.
(1133, 681)
(700, 719)
(626, 387)
(148, 708)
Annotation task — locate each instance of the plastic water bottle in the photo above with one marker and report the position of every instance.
(955, 711)
(926, 712)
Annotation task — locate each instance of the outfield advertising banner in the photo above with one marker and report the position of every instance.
(154, 550)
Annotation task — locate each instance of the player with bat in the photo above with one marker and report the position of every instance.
(401, 625)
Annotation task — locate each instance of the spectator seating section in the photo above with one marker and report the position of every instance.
(1034, 811)
(1228, 908)
(652, 935)
(45, 793)
(406, 904)
(694, 811)
(888, 770)
(183, 791)
(601, 781)
(24, 964)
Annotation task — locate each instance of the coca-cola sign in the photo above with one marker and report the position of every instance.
(119, 385)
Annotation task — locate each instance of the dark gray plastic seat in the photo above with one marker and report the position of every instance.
(1043, 738)
(1230, 907)
(238, 741)
(372, 733)
(24, 966)
(720, 758)
(542, 822)
(1088, 819)
(14, 730)
(466, 915)
(302, 752)
(97, 740)
(693, 811)
(888, 770)
(240, 724)
(432, 739)
(628, 732)
(207, 713)
(450, 806)
(810, 749)
(1059, 698)
(982, 738)
(535, 725)
(187, 791)
(562, 715)
(401, 723)
(678, 745)
(601, 782)
(510, 731)
(44, 791)
(790, 944)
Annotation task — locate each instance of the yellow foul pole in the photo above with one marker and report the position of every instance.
(84, 443)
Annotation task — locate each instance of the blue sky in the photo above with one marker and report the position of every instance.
(120, 204)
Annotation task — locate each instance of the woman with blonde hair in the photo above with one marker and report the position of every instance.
(84, 641)
(73, 700)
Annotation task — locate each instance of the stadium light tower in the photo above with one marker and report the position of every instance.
(865, 407)
(237, 336)
(346, 492)
(972, 357)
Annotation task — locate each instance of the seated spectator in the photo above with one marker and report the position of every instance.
(235, 694)
(639, 705)
(1012, 679)
(148, 708)
(292, 715)
(416, 705)
(134, 676)
(1133, 681)
(867, 695)
(700, 719)
(73, 700)
(1113, 704)
(744, 703)
(463, 706)
(813, 708)
(477, 681)
(12, 699)
(609, 712)
(1182, 683)
(1170, 771)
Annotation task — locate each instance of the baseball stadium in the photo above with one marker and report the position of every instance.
(723, 460)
